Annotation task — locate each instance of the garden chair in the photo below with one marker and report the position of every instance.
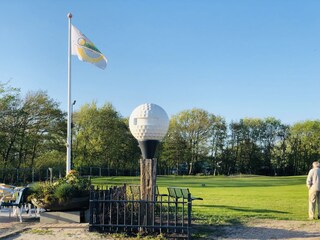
(176, 192)
(17, 204)
(185, 192)
(6, 193)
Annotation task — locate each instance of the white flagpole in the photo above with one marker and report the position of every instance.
(68, 165)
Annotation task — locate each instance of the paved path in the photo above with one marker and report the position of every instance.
(12, 225)
(31, 228)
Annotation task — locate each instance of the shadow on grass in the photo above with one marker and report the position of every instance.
(243, 209)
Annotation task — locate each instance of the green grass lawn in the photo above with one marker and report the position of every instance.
(230, 199)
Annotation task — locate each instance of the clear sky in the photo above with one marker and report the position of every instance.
(234, 58)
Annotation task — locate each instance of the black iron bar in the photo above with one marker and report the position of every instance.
(189, 215)
(175, 212)
(168, 214)
(182, 217)
(124, 214)
(103, 208)
(109, 210)
(132, 210)
(160, 210)
(117, 204)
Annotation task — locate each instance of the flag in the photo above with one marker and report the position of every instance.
(85, 49)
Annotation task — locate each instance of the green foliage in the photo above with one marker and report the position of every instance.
(64, 192)
(103, 139)
(33, 133)
(71, 186)
(189, 131)
(51, 158)
(29, 126)
(303, 146)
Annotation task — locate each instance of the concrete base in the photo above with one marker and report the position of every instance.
(64, 217)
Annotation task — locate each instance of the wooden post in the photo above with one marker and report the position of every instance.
(148, 176)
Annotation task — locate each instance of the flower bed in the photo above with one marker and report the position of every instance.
(71, 204)
(69, 193)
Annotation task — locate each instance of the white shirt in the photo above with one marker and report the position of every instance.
(313, 179)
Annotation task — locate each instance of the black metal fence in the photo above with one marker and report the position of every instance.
(118, 210)
(18, 176)
(27, 175)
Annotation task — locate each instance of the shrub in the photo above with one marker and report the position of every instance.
(62, 190)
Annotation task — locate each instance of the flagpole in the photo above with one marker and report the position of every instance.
(68, 164)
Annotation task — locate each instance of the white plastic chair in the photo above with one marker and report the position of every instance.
(17, 205)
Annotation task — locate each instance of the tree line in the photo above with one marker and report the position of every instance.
(33, 136)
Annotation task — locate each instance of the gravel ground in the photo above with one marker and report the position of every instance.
(57, 233)
(268, 229)
(12, 225)
(255, 229)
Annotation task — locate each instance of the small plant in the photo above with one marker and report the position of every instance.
(71, 186)
(64, 192)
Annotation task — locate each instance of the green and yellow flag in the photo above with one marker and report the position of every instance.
(85, 49)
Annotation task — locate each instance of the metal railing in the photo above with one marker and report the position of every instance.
(27, 175)
(116, 210)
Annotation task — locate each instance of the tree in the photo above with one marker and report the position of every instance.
(246, 144)
(217, 141)
(28, 127)
(303, 146)
(193, 127)
(10, 121)
(102, 138)
(43, 127)
(273, 147)
(279, 159)
(173, 149)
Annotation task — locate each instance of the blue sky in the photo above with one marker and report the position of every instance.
(236, 59)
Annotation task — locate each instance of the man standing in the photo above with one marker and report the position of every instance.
(313, 184)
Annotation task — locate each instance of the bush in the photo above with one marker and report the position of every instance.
(64, 189)
(64, 192)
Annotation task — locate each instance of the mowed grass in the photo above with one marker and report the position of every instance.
(237, 198)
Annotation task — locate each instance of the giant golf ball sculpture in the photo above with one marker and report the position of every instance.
(149, 124)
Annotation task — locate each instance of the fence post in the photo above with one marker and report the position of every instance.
(91, 198)
(189, 215)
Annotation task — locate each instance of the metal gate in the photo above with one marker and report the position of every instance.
(118, 210)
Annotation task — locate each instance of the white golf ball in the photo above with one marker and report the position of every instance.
(148, 122)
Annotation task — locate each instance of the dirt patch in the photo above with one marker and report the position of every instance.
(267, 229)
(57, 233)
(12, 225)
(253, 229)
(38, 231)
